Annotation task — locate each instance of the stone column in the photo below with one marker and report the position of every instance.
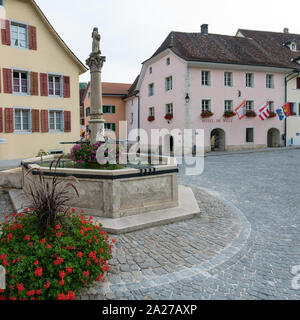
(95, 63)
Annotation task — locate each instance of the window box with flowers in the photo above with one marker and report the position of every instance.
(151, 118)
(229, 114)
(169, 116)
(206, 114)
(251, 114)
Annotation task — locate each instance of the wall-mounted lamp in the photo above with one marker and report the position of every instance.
(239, 93)
(187, 98)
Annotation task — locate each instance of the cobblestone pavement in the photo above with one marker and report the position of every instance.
(243, 247)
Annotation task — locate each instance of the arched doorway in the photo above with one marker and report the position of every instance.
(274, 138)
(217, 140)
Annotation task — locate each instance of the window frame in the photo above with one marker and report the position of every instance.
(271, 106)
(20, 93)
(268, 81)
(151, 112)
(252, 80)
(226, 79)
(203, 107)
(168, 61)
(252, 105)
(253, 136)
(168, 80)
(204, 79)
(170, 108)
(23, 25)
(111, 107)
(151, 89)
(22, 131)
(54, 75)
(87, 114)
(55, 130)
(113, 124)
(226, 107)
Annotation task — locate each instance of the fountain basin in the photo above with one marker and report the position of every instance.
(115, 193)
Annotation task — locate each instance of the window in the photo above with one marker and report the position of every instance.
(228, 105)
(152, 112)
(20, 82)
(18, 35)
(109, 109)
(56, 120)
(293, 46)
(298, 83)
(269, 81)
(293, 109)
(110, 126)
(249, 135)
(206, 105)
(228, 79)
(150, 70)
(54, 84)
(88, 111)
(168, 61)
(169, 108)
(249, 105)
(22, 120)
(151, 89)
(205, 78)
(88, 129)
(1, 2)
(131, 118)
(271, 106)
(89, 95)
(249, 80)
(169, 83)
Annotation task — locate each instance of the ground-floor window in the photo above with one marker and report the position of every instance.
(56, 120)
(22, 120)
(249, 135)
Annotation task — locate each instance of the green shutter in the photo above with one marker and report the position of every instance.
(104, 109)
(113, 109)
(114, 127)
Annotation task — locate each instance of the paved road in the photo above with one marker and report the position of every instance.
(266, 188)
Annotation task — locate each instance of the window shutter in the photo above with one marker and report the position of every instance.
(34, 83)
(5, 33)
(9, 120)
(114, 127)
(32, 38)
(44, 121)
(1, 120)
(44, 84)
(113, 109)
(7, 81)
(298, 83)
(67, 118)
(35, 120)
(67, 92)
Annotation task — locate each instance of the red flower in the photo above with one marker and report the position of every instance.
(38, 292)
(47, 285)
(48, 246)
(36, 263)
(71, 295)
(43, 241)
(69, 270)
(86, 273)
(20, 287)
(38, 272)
(30, 293)
(79, 254)
(100, 277)
(27, 237)
(113, 240)
(62, 274)
(57, 227)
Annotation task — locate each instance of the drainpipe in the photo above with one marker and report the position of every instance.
(286, 80)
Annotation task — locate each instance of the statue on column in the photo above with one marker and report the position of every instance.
(96, 42)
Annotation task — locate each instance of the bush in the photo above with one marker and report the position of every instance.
(71, 256)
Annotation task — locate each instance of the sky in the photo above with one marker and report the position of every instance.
(132, 30)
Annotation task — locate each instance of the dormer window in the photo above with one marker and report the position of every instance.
(293, 46)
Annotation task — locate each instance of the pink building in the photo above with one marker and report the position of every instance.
(195, 73)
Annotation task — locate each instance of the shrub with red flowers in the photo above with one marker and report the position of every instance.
(151, 118)
(251, 114)
(229, 114)
(206, 114)
(272, 114)
(59, 264)
(169, 116)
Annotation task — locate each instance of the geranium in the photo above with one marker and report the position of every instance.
(206, 114)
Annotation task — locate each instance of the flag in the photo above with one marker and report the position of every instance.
(264, 111)
(284, 111)
(241, 110)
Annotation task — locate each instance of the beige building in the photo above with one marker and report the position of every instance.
(39, 79)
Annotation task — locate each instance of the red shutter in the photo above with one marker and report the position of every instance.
(5, 33)
(35, 120)
(44, 121)
(32, 38)
(1, 120)
(298, 83)
(67, 120)
(9, 120)
(7, 81)
(44, 84)
(34, 83)
(67, 92)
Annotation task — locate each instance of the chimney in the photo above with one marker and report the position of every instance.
(286, 30)
(204, 29)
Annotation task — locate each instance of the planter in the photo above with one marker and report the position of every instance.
(272, 114)
(169, 116)
(229, 114)
(151, 118)
(251, 114)
(206, 114)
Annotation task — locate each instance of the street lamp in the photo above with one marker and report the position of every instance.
(187, 98)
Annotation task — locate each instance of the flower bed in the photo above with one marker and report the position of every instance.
(57, 265)
(229, 114)
(251, 114)
(206, 114)
(169, 116)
